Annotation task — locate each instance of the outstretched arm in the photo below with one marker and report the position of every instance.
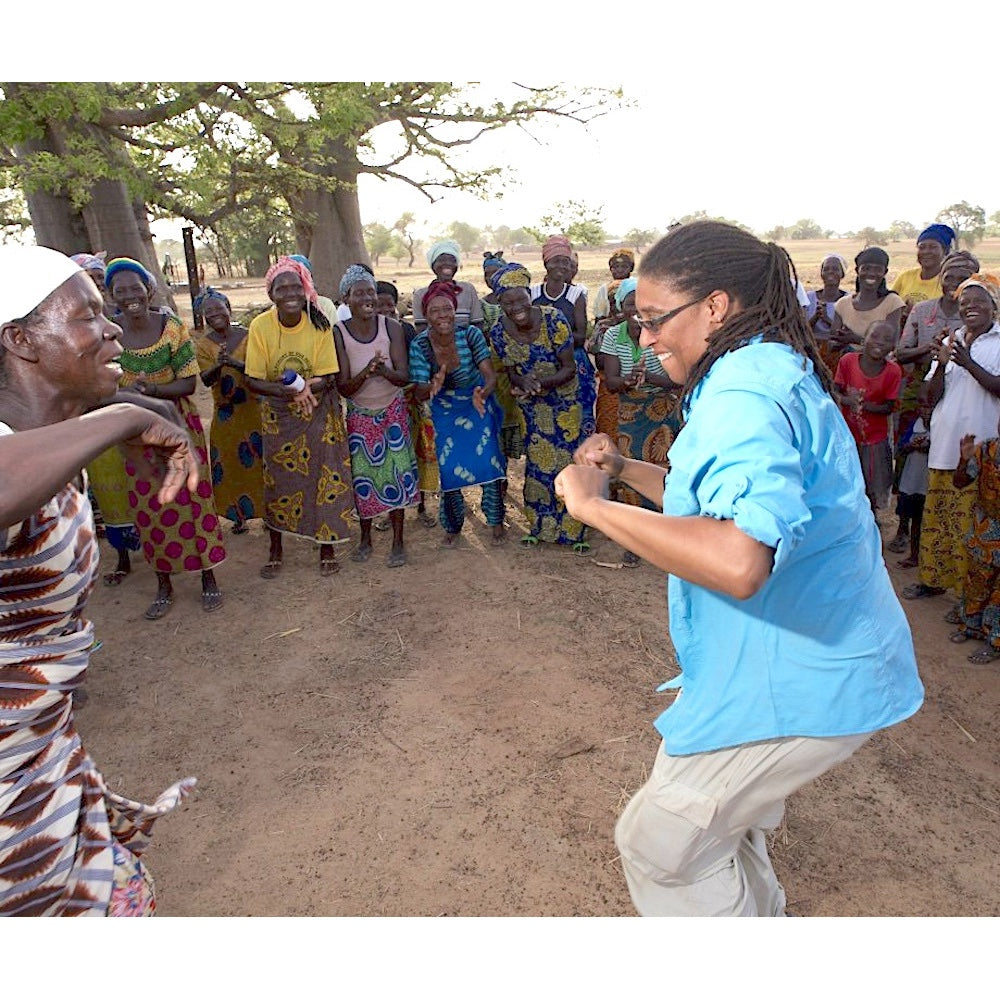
(36, 464)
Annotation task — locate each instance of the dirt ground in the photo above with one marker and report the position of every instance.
(457, 737)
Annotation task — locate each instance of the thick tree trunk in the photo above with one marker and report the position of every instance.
(56, 223)
(328, 223)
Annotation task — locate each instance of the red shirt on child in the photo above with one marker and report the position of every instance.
(868, 428)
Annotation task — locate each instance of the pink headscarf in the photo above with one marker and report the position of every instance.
(556, 246)
(286, 264)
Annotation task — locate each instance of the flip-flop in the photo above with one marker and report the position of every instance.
(529, 542)
(630, 560)
(328, 567)
(211, 600)
(961, 636)
(115, 577)
(581, 548)
(985, 655)
(159, 608)
(898, 544)
(396, 559)
(270, 569)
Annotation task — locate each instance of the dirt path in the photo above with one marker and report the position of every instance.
(458, 737)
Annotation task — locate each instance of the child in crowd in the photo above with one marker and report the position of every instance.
(980, 606)
(914, 444)
(869, 386)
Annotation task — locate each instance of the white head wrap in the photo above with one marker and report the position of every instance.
(28, 275)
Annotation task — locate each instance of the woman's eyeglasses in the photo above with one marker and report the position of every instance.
(654, 324)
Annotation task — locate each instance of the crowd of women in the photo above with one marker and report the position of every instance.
(332, 419)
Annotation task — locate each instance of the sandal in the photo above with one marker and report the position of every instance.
(114, 578)
(917, 590)
(211, 600)
(382, 524)
(581, 548)
(529, 542)
(396, 559)
(908, 563)
(270, 569)
(327, 567)
(954, 617)
(985, 655)
(159, 608)
(427, 520)
(962, 636)
(898, 544)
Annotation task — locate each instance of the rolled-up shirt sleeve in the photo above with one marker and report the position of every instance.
(751, 472)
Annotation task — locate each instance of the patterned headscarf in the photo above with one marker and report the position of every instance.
(511, 275)
(627, 286)
(444, 246)
(989, 283)
(302, 259)
(210, 293)
(120, 264)
(91, 261)
(623, 252)
(961, 257)
(287, 265)
(840, 260)
(493, 258)
(440, 289)
(944, 235)
(355, 275)
(556, 246)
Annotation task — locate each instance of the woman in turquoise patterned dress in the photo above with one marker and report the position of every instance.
(535, 344)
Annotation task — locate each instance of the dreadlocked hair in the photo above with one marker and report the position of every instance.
(317, 317)
(706, 256)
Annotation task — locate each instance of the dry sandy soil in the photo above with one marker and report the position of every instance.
(457, 737)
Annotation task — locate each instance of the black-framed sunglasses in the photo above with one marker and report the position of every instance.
(656, 322)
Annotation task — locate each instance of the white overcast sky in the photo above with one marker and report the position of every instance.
(851, 114)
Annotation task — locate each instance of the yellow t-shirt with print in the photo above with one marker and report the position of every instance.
(912, 288)
(272, 348)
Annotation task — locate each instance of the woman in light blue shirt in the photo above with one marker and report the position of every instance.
(792, 644)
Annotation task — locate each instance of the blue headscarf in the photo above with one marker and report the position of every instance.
(209, 293)
(120, 264)
(303, 260)
(493, 258)
(945, 235)
(355, 275)
(627, 286)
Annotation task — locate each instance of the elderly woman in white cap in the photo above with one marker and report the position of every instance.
(445, 258)
(68, 845)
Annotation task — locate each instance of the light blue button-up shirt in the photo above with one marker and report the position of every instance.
(823, 648)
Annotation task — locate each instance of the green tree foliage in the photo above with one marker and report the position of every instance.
(378, 240)
(901, 230)
(204, 152)
(642, 238)
(807, 229)
(403, 227)
(468, 237)
(582, 225)
(968, 221)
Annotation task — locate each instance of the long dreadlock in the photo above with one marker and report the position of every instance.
(705, 256)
